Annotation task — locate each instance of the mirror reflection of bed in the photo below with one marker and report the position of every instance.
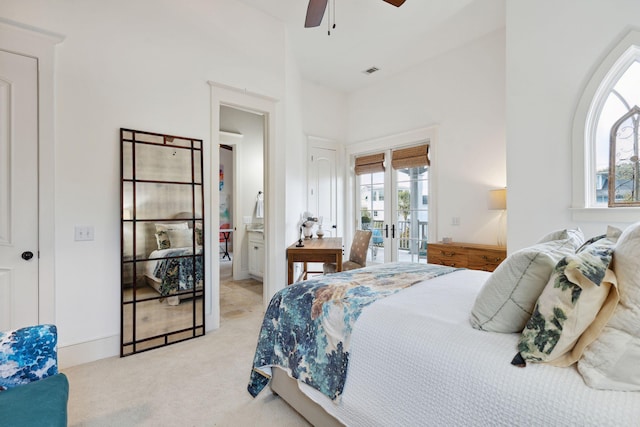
(162, 240)
(167, 278)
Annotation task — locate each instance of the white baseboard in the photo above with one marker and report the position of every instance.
(90, 351)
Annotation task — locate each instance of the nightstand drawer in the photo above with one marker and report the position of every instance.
(444, 255)
(452, 260)
(466, 255)
(484, 260)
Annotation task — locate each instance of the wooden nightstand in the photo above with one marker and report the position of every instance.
(466, 255)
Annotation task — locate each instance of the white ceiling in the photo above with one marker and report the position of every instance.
(372, 33)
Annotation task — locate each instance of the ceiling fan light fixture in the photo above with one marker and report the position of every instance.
(316, 9)
(371, 70)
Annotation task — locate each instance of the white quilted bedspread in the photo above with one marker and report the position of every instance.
(416, 361)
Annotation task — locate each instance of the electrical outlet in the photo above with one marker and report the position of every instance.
(83, 233)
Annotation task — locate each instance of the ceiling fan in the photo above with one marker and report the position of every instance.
(316, 8)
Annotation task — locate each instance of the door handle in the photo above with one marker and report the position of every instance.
(27, 255)
(393, 231)
(386, 231)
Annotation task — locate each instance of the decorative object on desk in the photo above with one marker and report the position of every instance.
(307, 221)
(300, 244)
(320, 231)
(447, 240)
(498, 202)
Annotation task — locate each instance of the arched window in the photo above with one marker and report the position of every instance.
(607, 130)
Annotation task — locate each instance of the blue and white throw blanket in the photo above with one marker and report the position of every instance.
(307, 327)
(27, 354)
(177, 274)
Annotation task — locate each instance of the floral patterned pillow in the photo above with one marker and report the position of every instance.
(580, 293)
(27, 354)
(162, 237)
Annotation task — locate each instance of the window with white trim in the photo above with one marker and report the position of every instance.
(616, 142)
(607, 132)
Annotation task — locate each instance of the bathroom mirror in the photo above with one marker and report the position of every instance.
(162, 240)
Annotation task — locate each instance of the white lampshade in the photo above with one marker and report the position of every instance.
(498, 199)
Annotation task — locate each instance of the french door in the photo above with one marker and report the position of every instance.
(393, 202)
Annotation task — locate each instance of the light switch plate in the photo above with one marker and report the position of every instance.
(83, 233)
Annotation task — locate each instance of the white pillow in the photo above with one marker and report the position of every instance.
(181, 238)
(171, 226)
(506, 300)
(575, 235)
(612, 361)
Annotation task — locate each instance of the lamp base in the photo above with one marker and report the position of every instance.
(502, 229)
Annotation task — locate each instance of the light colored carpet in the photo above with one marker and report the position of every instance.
(200, 382)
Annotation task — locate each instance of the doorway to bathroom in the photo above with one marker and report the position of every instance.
(241, 211)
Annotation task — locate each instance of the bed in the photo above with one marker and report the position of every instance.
(412, 357)
(170, 266)
(171, 274)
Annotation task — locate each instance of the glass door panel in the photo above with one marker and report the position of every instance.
(372, 213)
(411, 187)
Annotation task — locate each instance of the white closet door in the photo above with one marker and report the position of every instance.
(323, 188)
(18, 191)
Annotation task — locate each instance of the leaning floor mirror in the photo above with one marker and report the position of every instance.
(162, 240)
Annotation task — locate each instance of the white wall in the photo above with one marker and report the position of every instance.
(143, 65)
(324, 112)
(552, 50)
(294, 154)
(462, 92)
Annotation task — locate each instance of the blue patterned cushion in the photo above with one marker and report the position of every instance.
(27, 354)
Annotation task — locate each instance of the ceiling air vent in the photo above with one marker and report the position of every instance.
(371, 70)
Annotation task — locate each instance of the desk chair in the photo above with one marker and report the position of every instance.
(357, 253)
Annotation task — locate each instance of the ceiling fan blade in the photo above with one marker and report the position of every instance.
(315, 12)
(396, 3)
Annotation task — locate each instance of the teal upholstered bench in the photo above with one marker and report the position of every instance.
(32, 392)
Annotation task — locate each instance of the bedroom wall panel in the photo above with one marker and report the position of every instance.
(462, 92)
(112, 71)
(548, 67)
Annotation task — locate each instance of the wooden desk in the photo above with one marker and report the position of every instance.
(324, 250)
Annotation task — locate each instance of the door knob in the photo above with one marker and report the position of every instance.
(27, 255)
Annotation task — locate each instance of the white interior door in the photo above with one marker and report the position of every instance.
(18, 191)
(323, 188)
